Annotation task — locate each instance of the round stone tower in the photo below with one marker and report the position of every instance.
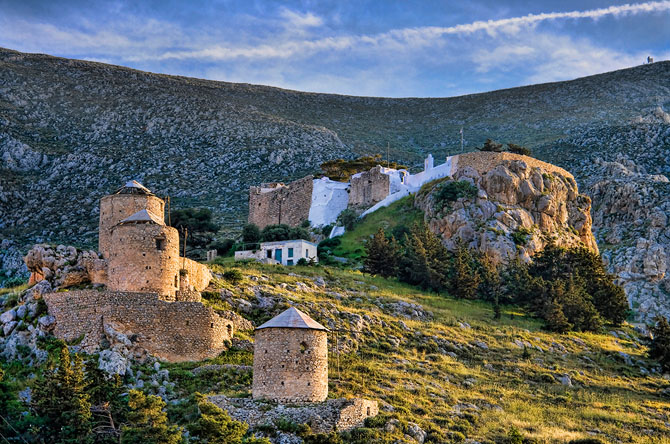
(126, 201)
(291, 359)
(144, 256)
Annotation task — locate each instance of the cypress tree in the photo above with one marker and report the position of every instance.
(425, 261)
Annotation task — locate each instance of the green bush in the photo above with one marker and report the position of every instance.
(660, 345)
(233, 276)
(348, 219)
(520, 236)
(448, 192)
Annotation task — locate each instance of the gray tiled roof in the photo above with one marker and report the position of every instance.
(143, 216)
(293, 318)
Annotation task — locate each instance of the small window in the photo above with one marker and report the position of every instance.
(187, 323)
(282, 383)
(230, 330)
(308, 384)
(306, 252)
(211, 325)
(290, 253)
(176, 281)
(269, 253)
(303, 347)
(368, 411)
(160, 244)
(289, 262)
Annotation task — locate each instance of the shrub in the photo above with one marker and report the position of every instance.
(448, 192)
(222, 247)
(520, 236)
(233, 276)
(518, 149)
(349, 219)
(302, 262)
(382, 255)
(251, 234)
(490, 145)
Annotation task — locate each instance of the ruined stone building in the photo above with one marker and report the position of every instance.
(151, 293)
(291, 359)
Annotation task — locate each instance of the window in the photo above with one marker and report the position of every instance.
(176, 281)
(160, 244)
(290, 252)
(269, 253)
(303, 347)
(306, 253)
(289, 262)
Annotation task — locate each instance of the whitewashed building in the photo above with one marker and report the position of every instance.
(287, 252)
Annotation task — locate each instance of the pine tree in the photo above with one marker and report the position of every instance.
(148, 422)
(215, 426)
(60, 399)
(381, 255)
(556, 320)
(660, 344)
(466, 280)
(425, 261)
(108, 404)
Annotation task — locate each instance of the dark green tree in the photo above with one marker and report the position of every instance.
(60, 399)
(280, 232)
(381, 255)
(109, 406)
(425, 260)
(147, 422)
(465, 278)
(200, 225)
(490, 145)
(214, 426)
(251, 234)
(660, 344)
(554, 315)
(518, 149)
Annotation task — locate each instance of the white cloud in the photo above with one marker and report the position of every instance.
(297, 20)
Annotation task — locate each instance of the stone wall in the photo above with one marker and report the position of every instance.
(198, 274)
(329, 416)
(172, 331)
(369, 187)
(290, 365)
(278, 203)
(485, 161)
(116, 207)
(136, 262)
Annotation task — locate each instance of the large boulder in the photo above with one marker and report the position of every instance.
(65, 266)
(516, 211)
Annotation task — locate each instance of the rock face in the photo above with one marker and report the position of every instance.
(631, 222)
(517, 211)
(65, 266)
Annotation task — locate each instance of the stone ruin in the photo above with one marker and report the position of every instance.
(146, 291)
(291, 372)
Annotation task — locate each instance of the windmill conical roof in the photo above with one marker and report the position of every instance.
(143, 216)
(133, 187)
(293, 318)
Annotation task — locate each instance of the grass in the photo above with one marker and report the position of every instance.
(481, 392)
(400, 213)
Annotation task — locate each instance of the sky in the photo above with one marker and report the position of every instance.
(403, 48)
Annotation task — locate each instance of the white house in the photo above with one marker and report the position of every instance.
(287, 252)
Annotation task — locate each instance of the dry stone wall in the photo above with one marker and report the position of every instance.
(329, 416)
(369, 187)
(277, 203)
(291, 365)
(172, 331)
(198, 274)
(116, 207)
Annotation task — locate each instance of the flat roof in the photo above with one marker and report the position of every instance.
(284, 242)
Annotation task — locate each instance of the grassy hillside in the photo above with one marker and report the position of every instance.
(456, 370)
(399, 214)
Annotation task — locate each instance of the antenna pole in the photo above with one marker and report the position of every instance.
(461, 139)
(388, 157)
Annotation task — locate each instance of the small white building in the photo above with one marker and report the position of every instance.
(287, 252)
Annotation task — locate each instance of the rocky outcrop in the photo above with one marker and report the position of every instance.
(631, 224)
(65, 266)
(516, 212)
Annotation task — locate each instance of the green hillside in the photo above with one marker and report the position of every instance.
(441, 363)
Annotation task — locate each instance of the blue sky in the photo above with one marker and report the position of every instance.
(374, 48)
